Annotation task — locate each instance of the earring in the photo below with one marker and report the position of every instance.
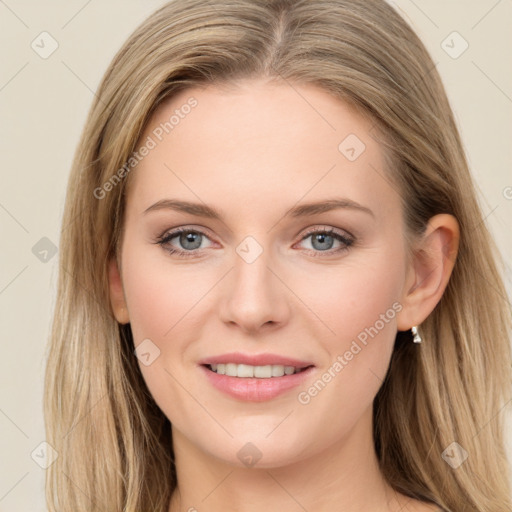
(416, 338)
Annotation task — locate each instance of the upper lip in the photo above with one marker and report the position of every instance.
(255, 360)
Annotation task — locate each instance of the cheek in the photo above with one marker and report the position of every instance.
(160, 299)
(159, 295)
(358, 306)
(349, 299)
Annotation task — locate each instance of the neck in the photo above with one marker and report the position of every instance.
(347, 473)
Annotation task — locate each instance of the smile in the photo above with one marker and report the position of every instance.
(255, 383)
(248, 371)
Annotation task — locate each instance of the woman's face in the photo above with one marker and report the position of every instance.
(256, 280)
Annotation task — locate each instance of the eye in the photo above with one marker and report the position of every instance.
(323, 240)
(190, 241)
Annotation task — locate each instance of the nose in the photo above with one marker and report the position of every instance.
(254, 296)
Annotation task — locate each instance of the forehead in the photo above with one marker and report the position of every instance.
(257, 145)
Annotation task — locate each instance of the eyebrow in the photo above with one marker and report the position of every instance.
(301, 210)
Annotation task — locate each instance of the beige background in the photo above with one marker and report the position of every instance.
(44, 103)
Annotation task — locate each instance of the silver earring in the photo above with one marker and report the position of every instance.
(416, 338)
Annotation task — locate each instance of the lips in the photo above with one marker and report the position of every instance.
(255, 360)
(255, 389)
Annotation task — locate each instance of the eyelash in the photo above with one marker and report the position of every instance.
(164, 240)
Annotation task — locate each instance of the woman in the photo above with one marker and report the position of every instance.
(276, 289)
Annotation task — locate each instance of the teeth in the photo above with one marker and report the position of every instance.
(246, 370)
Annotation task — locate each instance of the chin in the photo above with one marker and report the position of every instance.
(257, 454)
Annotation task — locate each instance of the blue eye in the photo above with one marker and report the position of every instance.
(322, 241)
(190, 240)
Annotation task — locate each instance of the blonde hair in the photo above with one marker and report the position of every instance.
(114, 443)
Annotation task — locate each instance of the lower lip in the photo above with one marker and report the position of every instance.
(255, 389)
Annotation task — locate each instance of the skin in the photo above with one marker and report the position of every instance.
(253, 151)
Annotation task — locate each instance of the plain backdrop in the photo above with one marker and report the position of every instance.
(43, 104)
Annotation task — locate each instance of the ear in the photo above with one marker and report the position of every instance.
(117, 299)
(429, 271)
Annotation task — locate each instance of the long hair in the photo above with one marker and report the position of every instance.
(114, 444)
